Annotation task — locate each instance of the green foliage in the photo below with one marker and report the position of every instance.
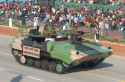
(104, 37)
(22, 30)
(101, 7)
(6, 22)
(58, 3)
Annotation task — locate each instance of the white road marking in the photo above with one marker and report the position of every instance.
(63, 78)
(35, 78)
(69, 78)
(66, 78)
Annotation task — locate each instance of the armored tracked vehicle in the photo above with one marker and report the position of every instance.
(58, 54)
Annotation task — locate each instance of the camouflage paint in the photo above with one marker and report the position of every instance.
(62, 51)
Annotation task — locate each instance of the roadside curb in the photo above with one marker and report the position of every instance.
(8, 31)
(118, 49)
(8, 27)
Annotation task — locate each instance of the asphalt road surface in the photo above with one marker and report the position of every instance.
(111, 70)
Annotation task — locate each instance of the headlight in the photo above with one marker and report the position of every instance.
(77, 52)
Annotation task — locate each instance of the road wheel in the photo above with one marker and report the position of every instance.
(29, 62)
(15, 52)
(23, 60)
(59, 68)
(37, 63)
(44, 64)
(52, 66)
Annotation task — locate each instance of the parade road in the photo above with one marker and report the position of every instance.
(111, 70)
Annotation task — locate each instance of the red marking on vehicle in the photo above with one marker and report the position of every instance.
(31, 51)
(88, 58)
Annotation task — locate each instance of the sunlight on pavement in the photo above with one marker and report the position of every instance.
(122, 81)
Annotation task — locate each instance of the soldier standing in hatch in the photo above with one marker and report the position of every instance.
(97, 31)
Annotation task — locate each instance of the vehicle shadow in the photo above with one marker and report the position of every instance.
(85, 68)
(17, 78)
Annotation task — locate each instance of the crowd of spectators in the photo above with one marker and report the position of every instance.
(65, 17)
(87, 18)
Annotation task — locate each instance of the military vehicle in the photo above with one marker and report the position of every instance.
(58, 54)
